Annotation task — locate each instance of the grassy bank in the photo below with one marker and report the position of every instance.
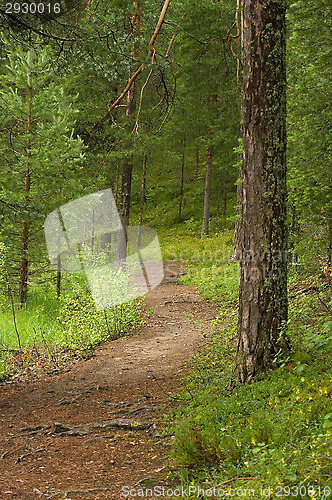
(274, 434)
(46, 332)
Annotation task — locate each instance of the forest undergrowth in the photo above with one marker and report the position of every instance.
(47, 333)
(273, 435)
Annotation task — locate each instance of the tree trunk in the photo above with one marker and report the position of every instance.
(121, 250)
(225, 203)
(181, 185)
(197, 162)
(116, 194)
(24, 265)
(263, 237)
(218, 206)
(58, 278)
(206, 211)
(238, 224)
(142, 202)
(329, 241)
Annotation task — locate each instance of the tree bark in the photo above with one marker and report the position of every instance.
(24, 265)
(238, 224)
(142, 202)
(263, 236)
(181, 184)
(58, 278)
(225, 203)
(121, 250)
(197, 162)
(206, 211)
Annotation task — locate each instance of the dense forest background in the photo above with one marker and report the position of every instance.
(59, 142)
(146, 100)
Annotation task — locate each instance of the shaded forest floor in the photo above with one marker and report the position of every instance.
(96, 425)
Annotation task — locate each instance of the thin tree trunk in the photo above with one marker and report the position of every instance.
(116, 185)
(263, 237)
(218, 205)
(197, 161)
(181, 185)
(121, 251)
(142, 202)
(329, 241)
(206, 211)
(225, 203)
(238, 224)
(24, 265)
(58, 278)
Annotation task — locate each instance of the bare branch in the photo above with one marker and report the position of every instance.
(135, 129)
(158, 27)
(152, 53)
(115, 103)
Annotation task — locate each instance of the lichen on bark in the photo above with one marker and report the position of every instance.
(263, 276)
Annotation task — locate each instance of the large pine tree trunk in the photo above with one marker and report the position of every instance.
(263, 235)
(206, 210)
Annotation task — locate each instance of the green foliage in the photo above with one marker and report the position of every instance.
(3, 281)
(217, 282)
(36, 322)
(178, 243)
(56, 326)
(84, 327)
(275, 431)
(40, 150)
(309, 128)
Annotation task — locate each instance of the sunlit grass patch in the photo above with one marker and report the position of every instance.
(181, 244)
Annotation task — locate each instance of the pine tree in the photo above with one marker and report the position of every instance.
(39, 153)
(263, 239)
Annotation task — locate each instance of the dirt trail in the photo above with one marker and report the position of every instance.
(95, 427)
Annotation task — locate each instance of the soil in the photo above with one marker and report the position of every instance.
(95, 427)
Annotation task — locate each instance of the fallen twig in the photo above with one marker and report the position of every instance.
(234, 479)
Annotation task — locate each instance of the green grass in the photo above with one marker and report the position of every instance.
(275, 432)
(35, 321)
(50, 326)
(184, 244)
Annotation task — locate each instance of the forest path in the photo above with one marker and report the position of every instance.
(92, 429)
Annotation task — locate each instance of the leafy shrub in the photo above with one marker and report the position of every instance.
(84, 327)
